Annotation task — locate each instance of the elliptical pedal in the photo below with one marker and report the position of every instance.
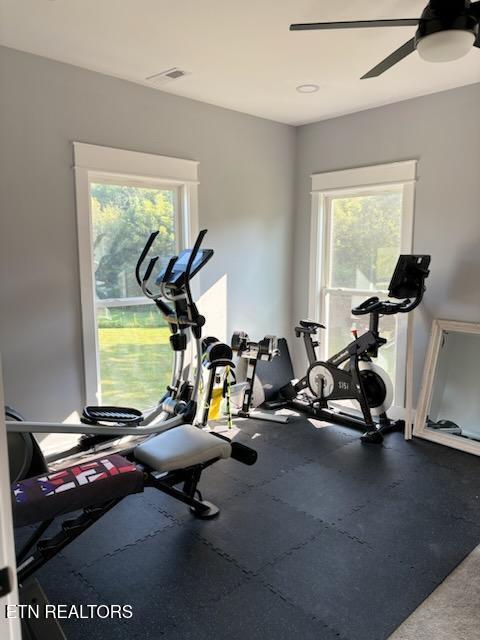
(111, 415)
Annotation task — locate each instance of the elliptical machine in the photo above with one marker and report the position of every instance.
(351, 374)
(107, 427)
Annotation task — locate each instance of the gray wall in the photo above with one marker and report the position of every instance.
(247, 174)
(443, 132)
(246, 202)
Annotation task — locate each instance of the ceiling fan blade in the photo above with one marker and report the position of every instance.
(358, 24)
(393, 58)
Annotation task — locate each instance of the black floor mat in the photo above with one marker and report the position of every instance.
(324, 538)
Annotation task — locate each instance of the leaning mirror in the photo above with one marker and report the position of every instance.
(449, 404)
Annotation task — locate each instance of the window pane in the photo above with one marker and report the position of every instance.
(340, 322)
(135, 355)
(122, 219)
(364, 240)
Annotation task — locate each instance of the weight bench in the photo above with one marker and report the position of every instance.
(95, 486)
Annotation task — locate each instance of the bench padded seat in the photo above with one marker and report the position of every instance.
(181, 447)
(83, 485)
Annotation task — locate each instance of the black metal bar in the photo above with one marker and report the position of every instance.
(178, 494)
(360, 393)
(310, 349)
(191, 482)
(143, 255)
(248, 395)
(71, 529)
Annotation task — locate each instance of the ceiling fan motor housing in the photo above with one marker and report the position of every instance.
(440, 15)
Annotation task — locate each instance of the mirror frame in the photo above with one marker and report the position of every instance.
(431, 361)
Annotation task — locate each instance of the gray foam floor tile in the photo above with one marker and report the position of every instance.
(273, 461)
(377, 464)
(357, 592)
(256, 529)
(253, 612)
(110, 533)
(323, 536)
(64, 586)
(302, 436)
(324, 493)
(418, 535)
(166, 574)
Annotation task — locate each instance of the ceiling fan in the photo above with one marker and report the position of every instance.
(446, 30)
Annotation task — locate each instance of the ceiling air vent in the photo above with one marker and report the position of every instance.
(163, 77)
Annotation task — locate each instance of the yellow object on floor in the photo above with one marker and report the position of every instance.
(215, 413)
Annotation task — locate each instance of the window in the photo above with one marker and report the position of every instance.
(361, 222)
(135, 359)
(127, 355)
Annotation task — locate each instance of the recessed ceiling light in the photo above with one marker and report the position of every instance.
(307, 88)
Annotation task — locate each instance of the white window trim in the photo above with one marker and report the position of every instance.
(374, 175)
(92, 162)
(9, 627)
(362, 179)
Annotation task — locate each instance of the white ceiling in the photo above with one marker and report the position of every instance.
(240, 53)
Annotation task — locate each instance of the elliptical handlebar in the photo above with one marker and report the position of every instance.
(193, 255)
(141, 259)
(174, 283)
(142, 280)
(169, 269)
(148, 272)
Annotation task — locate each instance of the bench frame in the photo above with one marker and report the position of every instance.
(37, 551)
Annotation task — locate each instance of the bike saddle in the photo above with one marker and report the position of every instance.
(308, 326)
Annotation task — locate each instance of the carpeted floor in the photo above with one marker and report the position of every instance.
(323, 538)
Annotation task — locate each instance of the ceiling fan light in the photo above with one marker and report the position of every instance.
(444, 46)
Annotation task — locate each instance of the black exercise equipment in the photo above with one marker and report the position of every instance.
(350, 374)
(123, 451)
(104, 424)
(265, 350)
(94, 486)
(217, 360)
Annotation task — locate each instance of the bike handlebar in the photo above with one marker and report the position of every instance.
(367, 306)
(387, 307)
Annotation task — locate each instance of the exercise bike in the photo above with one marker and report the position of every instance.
(351, 374)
